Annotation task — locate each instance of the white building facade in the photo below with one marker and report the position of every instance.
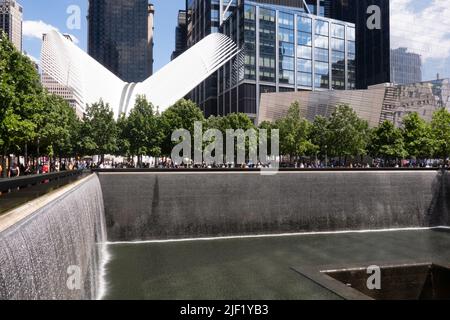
(11, 15)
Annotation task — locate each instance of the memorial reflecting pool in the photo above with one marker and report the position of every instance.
(259, 268)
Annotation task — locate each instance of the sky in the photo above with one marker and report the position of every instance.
(423, 26)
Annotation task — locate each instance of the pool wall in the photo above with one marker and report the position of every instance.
(49, 248)
(151, 205)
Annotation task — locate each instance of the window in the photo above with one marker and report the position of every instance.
(287, 76)
(321, 68)
(286, 20)
(322, 28)
(267, 15)
(304, 52)
(351, 34)
(337, 56)
(338, 44)
(304, 79)
(304, 65)
(287, 63)
(286, 49)
(321, 54)
(304, 39)
(338, 31)
(321, 42)
(304, 24)
(249, 12)
(351, 47)
(286, 35)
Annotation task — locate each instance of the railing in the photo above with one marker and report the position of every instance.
(165, 170)
(8, 184)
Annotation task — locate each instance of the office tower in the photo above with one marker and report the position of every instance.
(283, 48)
(180, 34)
(11, 13)
(372, 44)
(120, 37)
(57, 86)
(406, 67)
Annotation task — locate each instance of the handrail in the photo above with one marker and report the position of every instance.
(167, 170)
(26, 181)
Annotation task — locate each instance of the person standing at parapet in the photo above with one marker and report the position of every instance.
(14, 171)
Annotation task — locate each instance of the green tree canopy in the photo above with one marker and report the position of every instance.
(19, 98)
(417, 136)
(348, 133)
(294, 133)
(182, 115)
(57, 125)
(99, 130)
(143, 129)
(440, 131)
(387, 142)
(320, 136)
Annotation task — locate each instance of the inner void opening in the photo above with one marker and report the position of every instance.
(405, 282)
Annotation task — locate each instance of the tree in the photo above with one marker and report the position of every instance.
(123, 139)
(234, 122)
(99, 130)
(294, 133)
(348, 133)
(57, 125)
(182, 115)
(19, 99)
(387, 142)
(143, 130)
(440, 132)
(320, 137)
(417, 136)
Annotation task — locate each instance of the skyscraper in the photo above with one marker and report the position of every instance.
(120, 37)
(372, 43)
(406, 67)
(284, 47)
(11, 14)
(180, 34)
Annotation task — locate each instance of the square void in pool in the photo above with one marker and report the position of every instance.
(425, 281)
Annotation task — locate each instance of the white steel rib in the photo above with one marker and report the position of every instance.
(72, 67)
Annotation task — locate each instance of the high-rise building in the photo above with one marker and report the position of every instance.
(406, 67)
(11, 13)
(283, 48)
(180, 34)
(48, 64)
(120, 37)
(372, 21)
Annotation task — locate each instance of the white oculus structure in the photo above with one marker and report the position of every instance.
(90, 81)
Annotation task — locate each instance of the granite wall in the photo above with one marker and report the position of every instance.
(149, 205)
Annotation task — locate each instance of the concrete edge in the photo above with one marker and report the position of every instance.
(267, 173)
(10, 218)
(279, 235)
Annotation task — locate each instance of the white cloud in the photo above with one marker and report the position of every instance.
(423, 31)
(35, 29)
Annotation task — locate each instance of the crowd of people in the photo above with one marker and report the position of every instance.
(33, 167)
(20, 169)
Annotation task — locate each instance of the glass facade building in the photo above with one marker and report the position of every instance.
(11, 14)
(283, 49)
(373, 45)
(203, 18)
(120, 37)
(406, 67)
(180, 34)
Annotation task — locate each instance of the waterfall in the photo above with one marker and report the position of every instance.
(56, 250)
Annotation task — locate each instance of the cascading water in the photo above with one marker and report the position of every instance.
(56, 251)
